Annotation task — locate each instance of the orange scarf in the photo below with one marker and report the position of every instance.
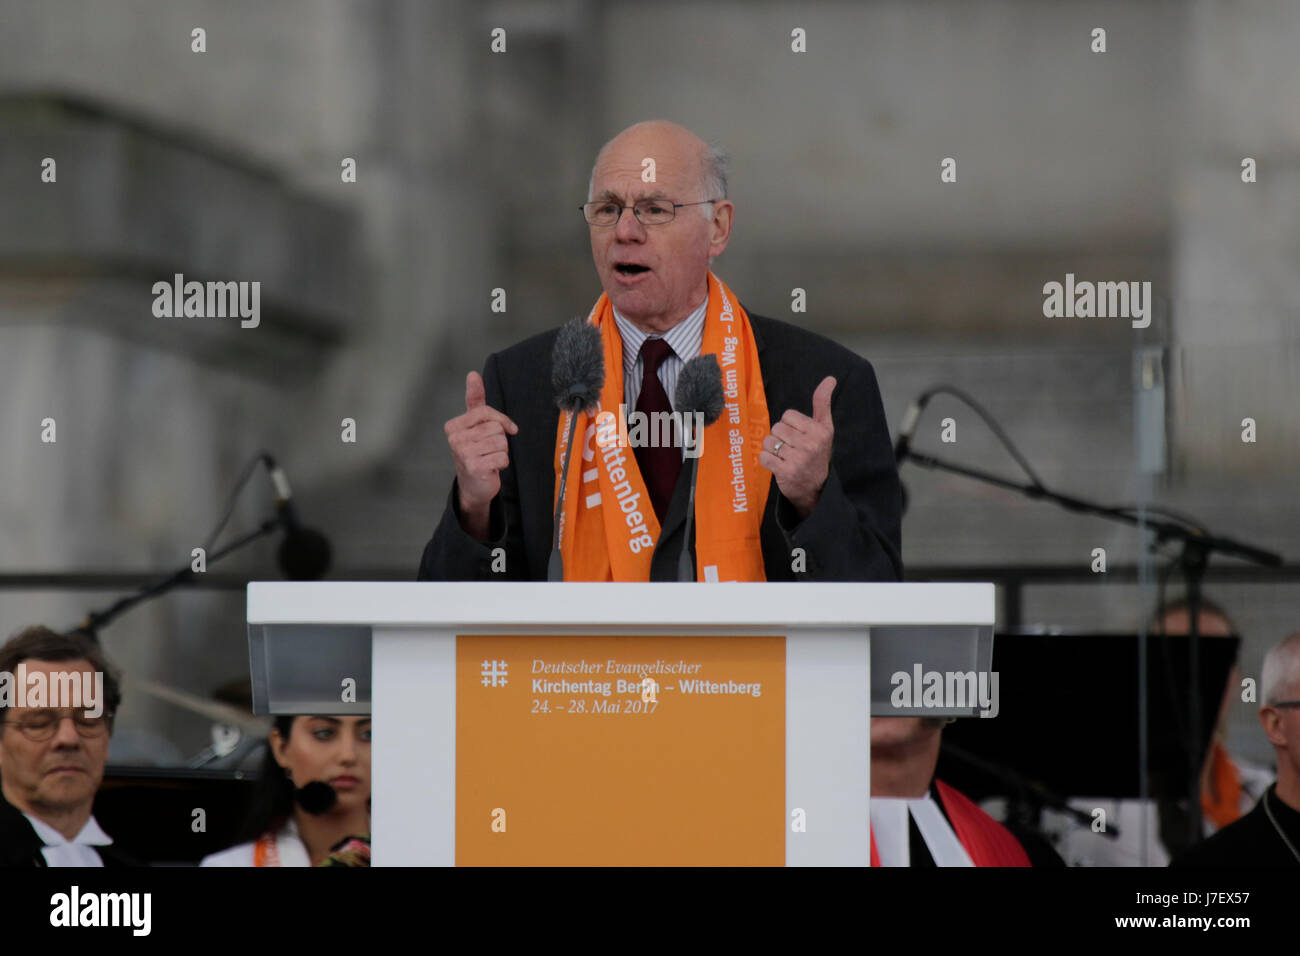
(1221, 792)
(608, 530)
(266, 851)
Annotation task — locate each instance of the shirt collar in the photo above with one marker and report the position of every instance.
(92, 834)
(889, 820)
(684, 338)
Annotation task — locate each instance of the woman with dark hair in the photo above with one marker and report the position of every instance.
(312, 803)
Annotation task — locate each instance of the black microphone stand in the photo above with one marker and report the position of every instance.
(1027, 798)
(686, 560)
(555, 563)
(1197, 547)
(96, 620)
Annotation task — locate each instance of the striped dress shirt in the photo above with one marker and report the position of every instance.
(684, 338)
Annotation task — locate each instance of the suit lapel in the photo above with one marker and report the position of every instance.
(759, 344)
(19, 843)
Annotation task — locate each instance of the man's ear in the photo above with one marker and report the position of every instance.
(1271, 721)
(720, 228)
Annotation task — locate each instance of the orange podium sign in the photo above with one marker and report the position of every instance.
(620, 750)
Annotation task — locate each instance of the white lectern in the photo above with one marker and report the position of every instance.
(615, 723)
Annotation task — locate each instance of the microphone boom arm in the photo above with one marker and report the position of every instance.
(99, 619)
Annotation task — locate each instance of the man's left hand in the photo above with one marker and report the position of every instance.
(798, 450)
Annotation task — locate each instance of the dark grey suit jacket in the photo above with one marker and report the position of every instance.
(851, 535)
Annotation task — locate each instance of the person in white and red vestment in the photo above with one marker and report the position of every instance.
(917, 820)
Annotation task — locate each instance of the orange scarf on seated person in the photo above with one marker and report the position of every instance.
(608, 530)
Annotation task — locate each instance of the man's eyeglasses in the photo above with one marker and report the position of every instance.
(648, 212)
(44, 724)
(1285, 703)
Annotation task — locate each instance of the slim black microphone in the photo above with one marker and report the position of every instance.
(577, 376)
(304, 554)
(913, 415)
(698, 392)
(316, 797)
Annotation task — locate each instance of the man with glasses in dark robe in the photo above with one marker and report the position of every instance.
(58, 695)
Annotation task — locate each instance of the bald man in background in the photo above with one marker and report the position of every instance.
(1268, 836)
(806, 432)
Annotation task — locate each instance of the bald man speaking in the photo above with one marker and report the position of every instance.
(796, 479)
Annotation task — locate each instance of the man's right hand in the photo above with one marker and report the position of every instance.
(479, 451)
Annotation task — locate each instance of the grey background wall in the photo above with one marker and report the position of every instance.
(225, 165)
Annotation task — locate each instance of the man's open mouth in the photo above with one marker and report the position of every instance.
(630, 269)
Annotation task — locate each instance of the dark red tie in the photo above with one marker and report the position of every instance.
(659, 466)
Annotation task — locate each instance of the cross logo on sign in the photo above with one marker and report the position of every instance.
(494, 674)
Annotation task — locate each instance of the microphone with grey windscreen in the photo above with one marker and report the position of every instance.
(699, 392)
(577, 376)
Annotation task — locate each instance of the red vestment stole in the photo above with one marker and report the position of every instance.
(987, 842)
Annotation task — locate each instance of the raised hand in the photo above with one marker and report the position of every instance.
(798, 450)
(479, 451)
